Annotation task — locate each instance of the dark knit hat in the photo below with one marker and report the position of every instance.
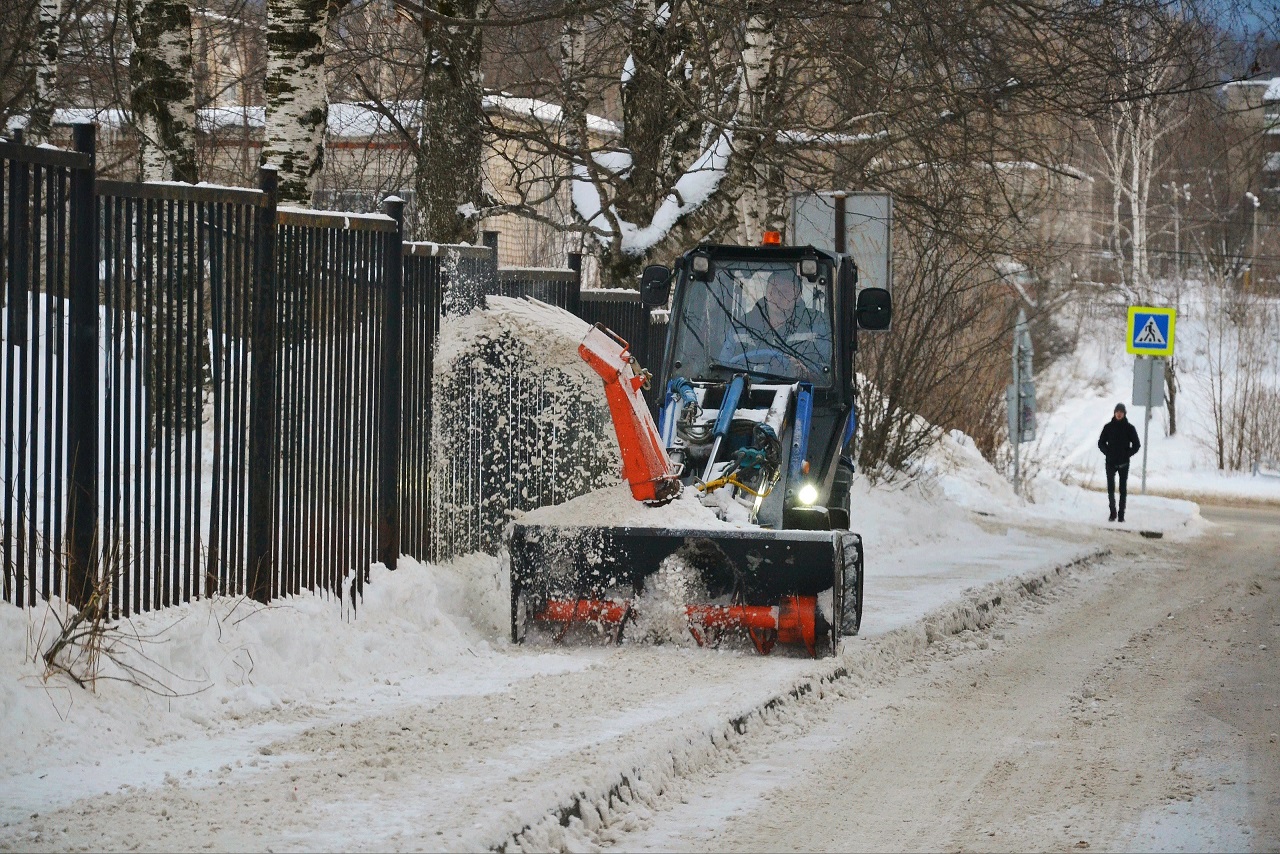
(1120, 408)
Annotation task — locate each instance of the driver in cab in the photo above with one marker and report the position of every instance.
(799, 337)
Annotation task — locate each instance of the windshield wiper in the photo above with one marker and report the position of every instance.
(754, 372)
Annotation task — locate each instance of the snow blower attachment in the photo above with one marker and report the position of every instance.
(757, 417)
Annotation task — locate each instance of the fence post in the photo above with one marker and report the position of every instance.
(262, 397)
(575, 294)
(82, 377)
(489, 239)
(389, 395)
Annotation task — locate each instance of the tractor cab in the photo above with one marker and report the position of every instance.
(772, 330)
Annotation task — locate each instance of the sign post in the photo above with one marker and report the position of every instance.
(1021, 396)
(1150, 338)
(1148, 391)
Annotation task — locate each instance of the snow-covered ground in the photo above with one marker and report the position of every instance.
(255, 684)
(1083, 389)
(306, 702)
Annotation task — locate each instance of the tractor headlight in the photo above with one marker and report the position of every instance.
(701, 265)
(808, 495)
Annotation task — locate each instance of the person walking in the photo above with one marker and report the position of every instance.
(1118, 442)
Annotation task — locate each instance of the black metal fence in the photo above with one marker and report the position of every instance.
(622, 312)
(205, 394)
(176, 271)
(49, 367)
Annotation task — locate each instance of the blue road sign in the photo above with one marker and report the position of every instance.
(1150, 330)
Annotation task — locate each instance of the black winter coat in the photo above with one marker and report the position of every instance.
(1119, 441)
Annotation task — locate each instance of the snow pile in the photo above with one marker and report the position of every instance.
(218, 662)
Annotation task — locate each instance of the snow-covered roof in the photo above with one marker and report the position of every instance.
(1032, 166)
(544, 111)
(1271, 85)
(346, 120)
(109, 117)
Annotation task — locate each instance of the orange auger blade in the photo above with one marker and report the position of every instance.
(645, 464)
(792, 621)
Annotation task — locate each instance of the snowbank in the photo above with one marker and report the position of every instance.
(216, 661)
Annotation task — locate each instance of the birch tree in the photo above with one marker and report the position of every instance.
(48, 38)
(162, 105)
(297, 97)
(1151, 95)
(1130, 135)
(758, 173)
(162, 94)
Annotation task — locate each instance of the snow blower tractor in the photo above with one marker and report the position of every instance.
(757, 415)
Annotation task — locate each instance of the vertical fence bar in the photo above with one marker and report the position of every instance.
(82, 393)
(216, 323)
(389, 398)
(574, 302)
(60, 385)
(262, 397)
(15, 353)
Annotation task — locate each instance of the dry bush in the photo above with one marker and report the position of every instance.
(1239, 382)
(947, 357)
(1266, 429)
(90, 646)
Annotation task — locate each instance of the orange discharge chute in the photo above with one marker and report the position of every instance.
(645, 465)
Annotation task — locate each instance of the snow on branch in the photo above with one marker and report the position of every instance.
(690, 192)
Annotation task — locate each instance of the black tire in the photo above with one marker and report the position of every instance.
(848, 587)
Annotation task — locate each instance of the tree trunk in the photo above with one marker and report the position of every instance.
(162, 101)
(297, 100)
(162, 95)
(447, 176)
(48, 38)
(757, 174)
(659, 140)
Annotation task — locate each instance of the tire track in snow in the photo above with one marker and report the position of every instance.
(595, 816)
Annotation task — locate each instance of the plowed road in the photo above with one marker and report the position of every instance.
(1134, 707)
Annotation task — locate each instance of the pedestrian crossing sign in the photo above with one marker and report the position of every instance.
(1150, 330)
